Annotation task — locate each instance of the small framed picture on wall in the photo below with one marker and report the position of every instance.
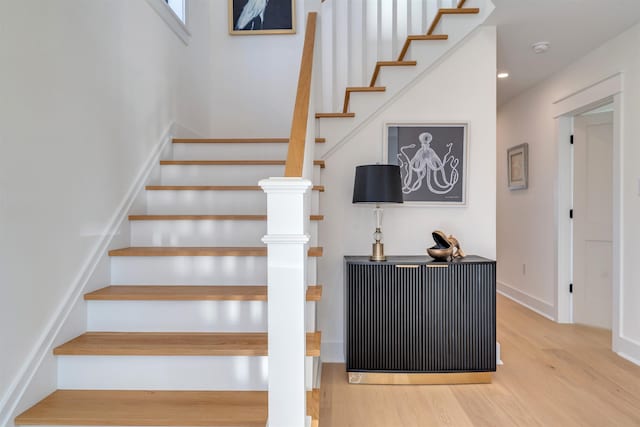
(247, 17)
(518, 167)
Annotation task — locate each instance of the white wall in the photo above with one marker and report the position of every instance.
(256, 78)
(526, 221)
(87, 89)
(460, 88)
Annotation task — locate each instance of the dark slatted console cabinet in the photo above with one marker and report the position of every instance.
(411, 320)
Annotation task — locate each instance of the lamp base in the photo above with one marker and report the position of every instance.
(378, 252)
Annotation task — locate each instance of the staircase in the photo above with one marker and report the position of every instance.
(178, 338)
(182, 335)
(401, 57)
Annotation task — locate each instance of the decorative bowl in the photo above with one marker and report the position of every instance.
(440, 254)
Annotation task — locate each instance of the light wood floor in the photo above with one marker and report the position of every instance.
(553, 375)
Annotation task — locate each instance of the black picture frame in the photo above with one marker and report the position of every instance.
(252, 17)
(432, 159)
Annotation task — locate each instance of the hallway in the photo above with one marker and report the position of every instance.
(553, 375)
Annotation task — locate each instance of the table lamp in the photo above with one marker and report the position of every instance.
(377, 184)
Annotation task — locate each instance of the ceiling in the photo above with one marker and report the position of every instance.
(573, 27)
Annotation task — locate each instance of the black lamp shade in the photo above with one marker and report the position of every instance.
(377, 184)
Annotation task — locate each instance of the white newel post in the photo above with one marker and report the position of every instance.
(287, 240)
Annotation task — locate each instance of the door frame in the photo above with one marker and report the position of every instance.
(603, 92)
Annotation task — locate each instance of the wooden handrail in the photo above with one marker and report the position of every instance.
(295, 154)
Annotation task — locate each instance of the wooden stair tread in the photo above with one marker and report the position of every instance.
(407, 42)
(174, 344)
(155, 408)
(236, 140)
(428, 37)
(319, 188)
(366, 89)
(459, 11)
(334, 115)
(188, 293)
(347, 93)
(452, 11)
(148, 251)
(320, 163)
(396, 63)
(380, 64)
(208, 217)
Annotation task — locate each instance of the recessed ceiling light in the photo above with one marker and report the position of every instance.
(540, 47)
(503, 75)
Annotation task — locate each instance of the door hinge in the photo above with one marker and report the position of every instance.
(570, 288)
(571, 140)
(571, 213)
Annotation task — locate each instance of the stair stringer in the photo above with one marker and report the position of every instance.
(398, 80)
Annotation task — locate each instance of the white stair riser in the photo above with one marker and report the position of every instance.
(199, 270)
(396, 78)
(425, 50)
(231, 151)
(162, 372)
(186, 270)
(197, 233)
(214, 373)
(208, 202)
(192, 202)
(365, 103)
(203, 233)
(222, 174)
(217, 174)
(181, 316)
(334, 129)
(459, 26)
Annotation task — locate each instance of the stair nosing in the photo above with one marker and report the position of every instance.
(460, 10)
(215, 251)
(335, 115)
(228, 217)
(396, 63)
(366, 89)
(133, 293)
(320, 163)
(155, 407)
(175, 344)
(236, 140)
(319, 188)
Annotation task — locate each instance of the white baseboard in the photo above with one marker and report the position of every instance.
(332, 352)
(45, 343)
(628, 349)
(537, 305)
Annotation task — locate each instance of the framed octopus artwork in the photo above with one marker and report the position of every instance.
(432, 160)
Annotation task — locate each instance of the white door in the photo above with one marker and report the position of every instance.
(592, 219)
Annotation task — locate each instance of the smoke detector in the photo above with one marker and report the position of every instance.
(540, 47)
